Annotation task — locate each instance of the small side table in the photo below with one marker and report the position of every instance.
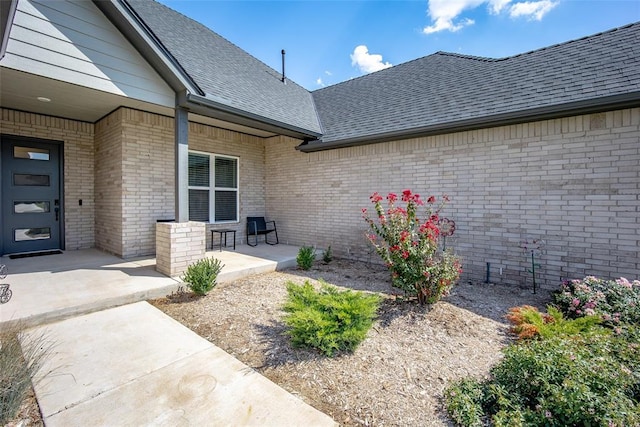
(221, 233)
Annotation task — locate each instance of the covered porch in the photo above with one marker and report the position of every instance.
(55, 287)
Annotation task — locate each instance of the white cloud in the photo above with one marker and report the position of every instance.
(445, 14)
(532, 9)
(496, 6)
(319, 82)
(367, 62)
(328, 73)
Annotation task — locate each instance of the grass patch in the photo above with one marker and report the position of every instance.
(21, 359)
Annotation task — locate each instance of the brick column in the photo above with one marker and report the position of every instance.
(179, 244)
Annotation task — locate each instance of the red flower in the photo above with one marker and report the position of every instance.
(391, 197)
(375, 197)
(405, 254)
(445, 198)
(394, 248)
(404, 235)
(406, 195)
(431, 199)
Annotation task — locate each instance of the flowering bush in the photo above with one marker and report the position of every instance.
(409, 245)
(590, 379)
(615, 301)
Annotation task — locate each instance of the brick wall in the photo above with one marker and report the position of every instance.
(574, 182)
(140, 176)
(147, 178)
(78, 149)
(108, 175)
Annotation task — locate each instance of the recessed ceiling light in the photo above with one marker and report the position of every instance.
(44, 99)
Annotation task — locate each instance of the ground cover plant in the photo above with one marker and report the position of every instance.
(328, 319)
(201, 276)
(408, 241)
(578, 364)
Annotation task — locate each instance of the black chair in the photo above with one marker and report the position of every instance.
(257, 226)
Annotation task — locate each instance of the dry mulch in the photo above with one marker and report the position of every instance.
(396, 376)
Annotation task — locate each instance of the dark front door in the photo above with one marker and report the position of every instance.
(31, 195)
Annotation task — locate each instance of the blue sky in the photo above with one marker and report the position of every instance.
(328, 42)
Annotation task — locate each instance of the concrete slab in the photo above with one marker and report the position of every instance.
(56, 287)
(133, 365)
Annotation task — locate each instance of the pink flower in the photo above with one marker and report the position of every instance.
(391, 197)
(375, 197)
(576, 302)
(431, 199)
(405, 254)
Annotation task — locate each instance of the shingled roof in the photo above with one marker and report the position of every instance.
(446, 92)
(226, 74)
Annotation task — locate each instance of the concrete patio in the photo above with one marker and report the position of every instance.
(55, 287)
(117, 360)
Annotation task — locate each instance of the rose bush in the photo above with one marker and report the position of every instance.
(409, 245)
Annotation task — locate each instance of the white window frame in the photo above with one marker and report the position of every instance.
(212, 188)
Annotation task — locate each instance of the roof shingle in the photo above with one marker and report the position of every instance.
(447, 88)
(225, 73)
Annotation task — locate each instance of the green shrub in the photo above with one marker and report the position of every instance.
(306, 256)
(21, 359)
(464, 402)
(327, 256)
(528, 323)
(615, 301)
(201, 276)
(587, 379)
(328, 320)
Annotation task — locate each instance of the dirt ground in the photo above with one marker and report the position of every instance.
(396, 376)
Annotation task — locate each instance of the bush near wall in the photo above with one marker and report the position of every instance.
(570, 367)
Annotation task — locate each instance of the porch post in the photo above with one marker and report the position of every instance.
(182, 164)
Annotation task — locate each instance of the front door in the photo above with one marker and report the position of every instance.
(31, 195)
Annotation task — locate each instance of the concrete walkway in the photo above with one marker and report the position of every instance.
(117, 360)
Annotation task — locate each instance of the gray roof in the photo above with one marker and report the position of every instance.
(226, 74)
(445, 91)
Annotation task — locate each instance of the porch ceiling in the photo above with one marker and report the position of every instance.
(20, 91)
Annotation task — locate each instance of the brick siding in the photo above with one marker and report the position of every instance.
(574, 182)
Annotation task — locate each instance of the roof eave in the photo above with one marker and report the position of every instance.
(614, 102)
(7, 12)
(209, 107)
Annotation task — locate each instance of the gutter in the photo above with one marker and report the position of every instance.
(202, 104)
(596, 105)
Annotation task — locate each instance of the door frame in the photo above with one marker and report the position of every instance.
(5, 137)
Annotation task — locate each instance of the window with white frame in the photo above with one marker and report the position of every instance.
(213, 187)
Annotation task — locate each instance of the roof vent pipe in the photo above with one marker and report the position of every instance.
(284, 80)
